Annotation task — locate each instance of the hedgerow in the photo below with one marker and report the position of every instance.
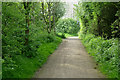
(105, 52)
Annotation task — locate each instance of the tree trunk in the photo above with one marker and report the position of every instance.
(99, 27)
(49, 14)
(54, 18)
(43, 13)
(27, 9)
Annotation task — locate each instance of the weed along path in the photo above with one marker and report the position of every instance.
(70, 60)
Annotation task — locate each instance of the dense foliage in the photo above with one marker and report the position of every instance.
(29, 34)
(68, 25)
(27, 31)
(105, 52)
(21, 66)
(100, 19)
(99, 31)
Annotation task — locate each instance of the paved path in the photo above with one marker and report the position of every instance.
(70, 60)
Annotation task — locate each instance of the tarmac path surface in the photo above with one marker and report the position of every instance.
(70, 60)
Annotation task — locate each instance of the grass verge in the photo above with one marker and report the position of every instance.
(105, 53)
(26, 67)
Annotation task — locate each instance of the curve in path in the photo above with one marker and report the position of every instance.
(70, 60)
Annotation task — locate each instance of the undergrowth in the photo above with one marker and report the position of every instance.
(105, 52)
(20, 66)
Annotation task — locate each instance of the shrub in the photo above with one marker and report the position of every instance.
(105, 52)
(67, 26)
(20, 66)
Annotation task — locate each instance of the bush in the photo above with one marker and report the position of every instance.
(67, 26)
(105, 52)
(61, 35)
(21, 66)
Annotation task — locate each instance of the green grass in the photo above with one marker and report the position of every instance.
(26, 67)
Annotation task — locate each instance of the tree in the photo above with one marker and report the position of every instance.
(27, 12)
(52, 11)
(96, 18)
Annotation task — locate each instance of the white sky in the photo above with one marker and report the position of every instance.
(69, 10)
